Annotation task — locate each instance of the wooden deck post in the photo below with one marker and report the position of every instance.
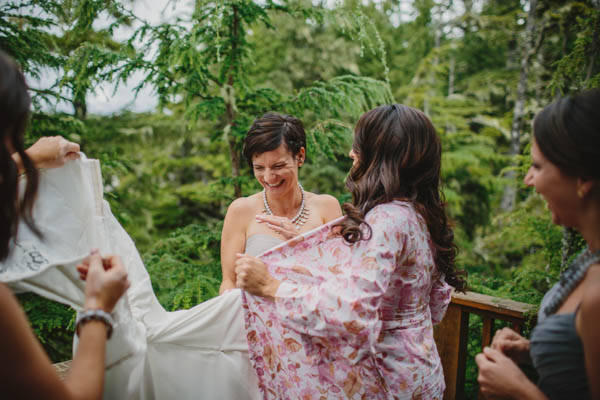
(451, 338)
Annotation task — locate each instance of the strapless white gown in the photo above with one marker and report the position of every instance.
(259, 243)
(200, 353)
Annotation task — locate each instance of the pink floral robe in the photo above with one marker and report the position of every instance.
(351, 321)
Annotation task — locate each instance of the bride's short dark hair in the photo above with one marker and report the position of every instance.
(269, 131)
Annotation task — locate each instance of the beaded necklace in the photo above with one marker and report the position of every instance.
(570, 279)
(302, 215)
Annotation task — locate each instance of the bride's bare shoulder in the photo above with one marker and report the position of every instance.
(245, 207)
(327, 206)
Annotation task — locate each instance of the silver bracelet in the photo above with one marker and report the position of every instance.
(98, 315)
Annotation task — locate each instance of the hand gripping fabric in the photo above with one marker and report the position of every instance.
(200, 353)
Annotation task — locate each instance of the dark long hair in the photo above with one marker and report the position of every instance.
(399, 157)
(567, 132)
(14, 114)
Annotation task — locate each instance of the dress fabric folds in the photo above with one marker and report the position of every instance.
(347, 322)
(351, 321)
(200, 353)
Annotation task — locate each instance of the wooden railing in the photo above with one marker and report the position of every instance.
(451, 335)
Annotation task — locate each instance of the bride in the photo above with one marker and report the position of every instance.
(275, 149)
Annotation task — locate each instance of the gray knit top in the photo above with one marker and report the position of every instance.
(557, 354)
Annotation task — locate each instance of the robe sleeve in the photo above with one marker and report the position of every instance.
(347, 307)
(439, 298)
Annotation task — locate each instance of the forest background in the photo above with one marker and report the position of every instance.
(479, 69)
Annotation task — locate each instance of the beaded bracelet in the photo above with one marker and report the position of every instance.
(98, 315)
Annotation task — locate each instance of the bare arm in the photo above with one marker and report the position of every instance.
(233, 241)
(588, 327)
(26, 372)
(24, 363)
(49, 152)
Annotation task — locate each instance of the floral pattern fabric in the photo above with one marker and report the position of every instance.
(351, 321)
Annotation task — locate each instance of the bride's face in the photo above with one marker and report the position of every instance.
(277, 170)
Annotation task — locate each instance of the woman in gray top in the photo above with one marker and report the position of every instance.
(565, 345)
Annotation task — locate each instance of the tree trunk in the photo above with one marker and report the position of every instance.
(539, 84)
(79, 104)
(434, 63)
(451, 128)
(451, 76)
(593, 52)
(233, 152)
(528, 48)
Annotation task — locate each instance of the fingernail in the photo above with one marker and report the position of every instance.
(94, 251)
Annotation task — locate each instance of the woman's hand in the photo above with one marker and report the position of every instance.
(500, 377)
(252, 276)
(52, 152)
(511, 344)
(106, 281)
(280, 225)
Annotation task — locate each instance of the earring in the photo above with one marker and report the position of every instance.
(580, 193)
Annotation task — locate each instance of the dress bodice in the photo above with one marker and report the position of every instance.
(260, 242)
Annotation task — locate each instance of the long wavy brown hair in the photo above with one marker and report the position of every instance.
(399, 157)
(14, 114)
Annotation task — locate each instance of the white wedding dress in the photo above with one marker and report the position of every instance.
(200, 353)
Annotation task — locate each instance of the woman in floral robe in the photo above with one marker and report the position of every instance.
(347, 311)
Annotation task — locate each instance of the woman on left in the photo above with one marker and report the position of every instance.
(25, 370)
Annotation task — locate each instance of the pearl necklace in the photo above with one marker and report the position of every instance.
(570, 279)
(302, 215)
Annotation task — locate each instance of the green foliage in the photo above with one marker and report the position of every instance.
(52, 323)
(580, 67)
(185, 267)
(526, 242)
(205, 62)
(24, 35)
